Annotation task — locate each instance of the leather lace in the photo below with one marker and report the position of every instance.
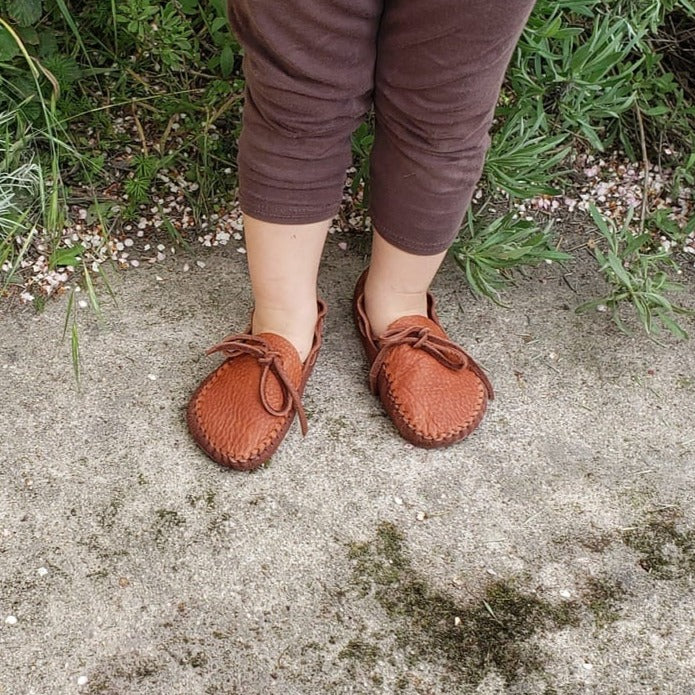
(271, 361)
(445, 351)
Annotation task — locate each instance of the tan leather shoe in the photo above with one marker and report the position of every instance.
(242, 411)
(434, 392)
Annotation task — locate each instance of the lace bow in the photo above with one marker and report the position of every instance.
(271, 361)
(445, 351)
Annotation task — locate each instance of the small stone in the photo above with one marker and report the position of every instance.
(82, 680)
(42, 571)
(421, 516)
(457, 621)
(82, 304)
(11, 620)
(565, 593)
(398, 500)
(342, 246)
(588, 666)
(200, 264)
(241, 249)
(186, 267)
(152, 377)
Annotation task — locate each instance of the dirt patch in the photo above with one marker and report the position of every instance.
(665, 546)
(167, 521)
(123, 673)
(491, 632)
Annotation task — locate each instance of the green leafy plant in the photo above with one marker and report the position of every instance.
(489, 254)
(362, 141)
(522, 160)
(159, 32)
(635, 277)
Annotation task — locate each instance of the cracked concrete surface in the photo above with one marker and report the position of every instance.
(551, 552)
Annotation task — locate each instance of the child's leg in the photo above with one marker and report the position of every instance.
(397, 283)
(309, 77)
(283, 265)
(440, 66)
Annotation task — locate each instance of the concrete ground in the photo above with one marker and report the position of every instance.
(551, 552)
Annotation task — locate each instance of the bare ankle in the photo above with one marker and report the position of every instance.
(385, 305)
(295, 324)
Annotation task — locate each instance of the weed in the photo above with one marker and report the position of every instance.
(636, 276)
(488, 255)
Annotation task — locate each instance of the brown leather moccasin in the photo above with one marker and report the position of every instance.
(434, 392)
(242, 410)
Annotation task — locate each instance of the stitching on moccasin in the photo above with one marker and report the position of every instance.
(254, 452)
(399, 407)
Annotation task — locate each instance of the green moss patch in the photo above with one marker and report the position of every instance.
(666, 548)
(470, 638)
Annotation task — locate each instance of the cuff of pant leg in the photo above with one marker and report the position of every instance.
(409, 243)
(283, 214)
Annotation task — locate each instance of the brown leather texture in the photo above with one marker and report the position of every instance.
(241, 412)
(433, 390)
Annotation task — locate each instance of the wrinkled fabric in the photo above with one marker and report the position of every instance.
(432, 71)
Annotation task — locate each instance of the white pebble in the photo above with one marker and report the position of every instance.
(82, 680)
(342, 246)
(241, 249)
(152, 377)
(82, 304)
(135, 263)
(200, 264)
(11, 620)
(398, 500)
(565, 593)
(588, 666)
(42, 571)
(421, 516)
(186, 267)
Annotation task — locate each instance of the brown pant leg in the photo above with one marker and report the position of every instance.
(309, 70)
(440, 66)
